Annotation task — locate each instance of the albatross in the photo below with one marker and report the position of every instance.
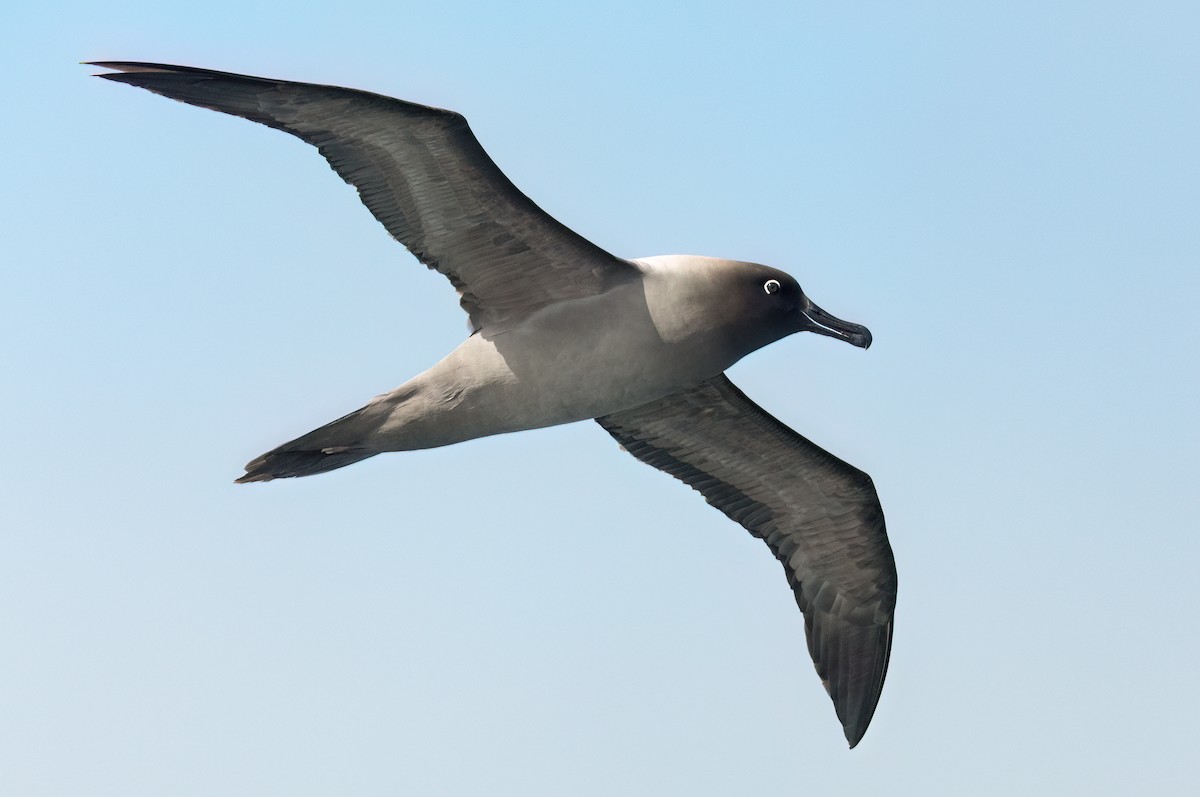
(563, 331)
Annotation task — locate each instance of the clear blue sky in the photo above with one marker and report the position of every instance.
(1007, 194)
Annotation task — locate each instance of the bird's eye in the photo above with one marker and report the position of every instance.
(771, 286)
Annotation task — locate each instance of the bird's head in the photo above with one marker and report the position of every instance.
(738, 307)
(769, 304)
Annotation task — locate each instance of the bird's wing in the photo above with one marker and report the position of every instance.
(819, 516)
(425, 177)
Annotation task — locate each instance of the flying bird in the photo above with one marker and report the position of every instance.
(563, 331)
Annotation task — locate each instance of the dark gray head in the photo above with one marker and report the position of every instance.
(769, 305)
(730, 308)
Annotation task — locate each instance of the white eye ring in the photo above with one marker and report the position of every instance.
(771, 286)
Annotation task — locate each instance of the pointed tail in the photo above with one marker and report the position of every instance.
(334, 445)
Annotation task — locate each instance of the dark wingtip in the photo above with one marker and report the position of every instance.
(136, 66)
(852, 661)
(129, 66)
(128, 71)
(854, 735)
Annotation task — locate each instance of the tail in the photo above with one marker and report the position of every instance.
(335, 445)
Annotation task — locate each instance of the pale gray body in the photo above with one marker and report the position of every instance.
(567, 362)
(563, 331)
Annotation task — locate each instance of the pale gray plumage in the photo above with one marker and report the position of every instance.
(564, 331)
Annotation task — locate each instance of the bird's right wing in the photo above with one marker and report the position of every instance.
(425, 177)
(819, 516)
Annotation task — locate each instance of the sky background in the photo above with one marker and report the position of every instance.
(1008, 195)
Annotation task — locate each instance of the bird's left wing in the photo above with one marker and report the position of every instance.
(422, 173)
(819, 516)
